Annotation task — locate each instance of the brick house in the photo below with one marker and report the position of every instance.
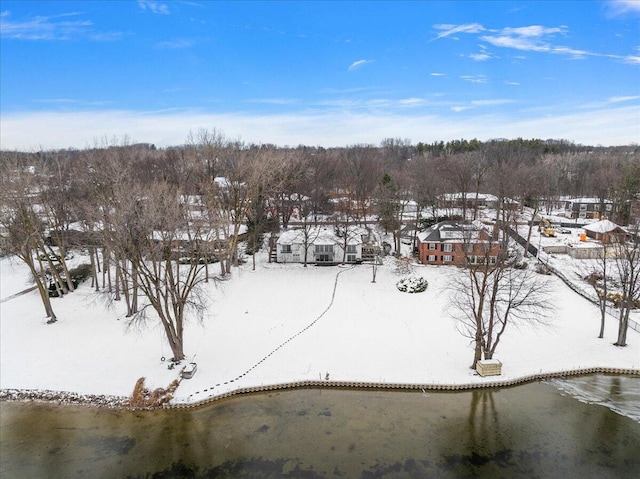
(456, 244)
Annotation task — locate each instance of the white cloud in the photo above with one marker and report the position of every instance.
(620, 99)
(43, 27)
(358, 64)
(154, 7)
(623, 7)
(493, 102)
(515, 42)
(532, 31)
(436, 74)
(475, 78)
(448, 30)
(616, 125)
(411, 102)
(480, 57)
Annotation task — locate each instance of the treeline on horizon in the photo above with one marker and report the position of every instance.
(532, 171)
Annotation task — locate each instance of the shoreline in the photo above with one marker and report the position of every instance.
(121, 402)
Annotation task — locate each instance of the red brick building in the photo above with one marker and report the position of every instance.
(457, 244)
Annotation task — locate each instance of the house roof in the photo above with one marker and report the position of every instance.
(604, 226)
(319, 235)
(447, 230)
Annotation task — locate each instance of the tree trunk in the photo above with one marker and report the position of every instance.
(623, 327)
(42, 289)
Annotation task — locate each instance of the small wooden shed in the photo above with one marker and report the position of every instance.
(606, 232)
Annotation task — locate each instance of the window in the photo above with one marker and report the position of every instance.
(323, 258)
(448, 247)
(324, 248)
(351, 258)
(432, 246)
(493, 260)
(286, 248)
(431, 257)
(351, 248)
(447, 258)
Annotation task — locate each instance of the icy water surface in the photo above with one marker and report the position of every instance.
(534, 430)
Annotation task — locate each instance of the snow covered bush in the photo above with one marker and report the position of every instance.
(412, 284)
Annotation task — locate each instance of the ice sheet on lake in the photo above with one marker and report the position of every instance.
(621, 394)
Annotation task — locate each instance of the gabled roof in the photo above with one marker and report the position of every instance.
(604, 226)
(447, 230)
(319, 235)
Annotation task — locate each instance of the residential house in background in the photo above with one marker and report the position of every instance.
(325, 245)
(587, 208)
(471, 200)
(457, 244)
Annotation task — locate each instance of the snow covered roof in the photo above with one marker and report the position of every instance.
(319, 235)
(604, 226)
(470, 196)
(450, 230)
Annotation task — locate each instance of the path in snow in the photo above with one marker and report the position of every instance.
(28, 290)
(333, 295)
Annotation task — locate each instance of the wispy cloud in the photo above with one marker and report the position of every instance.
(52, 28)
(492, 102)
(480, 103)
(621, 99)
(436, 74)
(480, 57)
(475, 78)
(154, 7)
(358, 64)
(623, 7)
(633, 59)
(447, 30)
(531, 38)
(43, 28)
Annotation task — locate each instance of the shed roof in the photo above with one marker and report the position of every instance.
(604, 226)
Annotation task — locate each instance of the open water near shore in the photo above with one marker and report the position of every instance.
(533, 430)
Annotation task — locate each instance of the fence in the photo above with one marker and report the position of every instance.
(542, 256)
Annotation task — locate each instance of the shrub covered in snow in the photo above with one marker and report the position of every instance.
(412, 284)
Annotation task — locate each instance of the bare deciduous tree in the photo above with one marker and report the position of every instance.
(488, 295)
(628, 270)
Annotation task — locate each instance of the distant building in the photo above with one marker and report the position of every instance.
(587, 208)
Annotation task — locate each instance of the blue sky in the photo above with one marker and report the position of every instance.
(73, 74)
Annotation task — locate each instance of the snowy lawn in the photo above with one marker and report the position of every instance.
(372, 332)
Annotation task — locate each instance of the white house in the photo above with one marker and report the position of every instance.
(323, 245)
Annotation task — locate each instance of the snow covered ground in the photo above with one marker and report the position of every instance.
(283, 323)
